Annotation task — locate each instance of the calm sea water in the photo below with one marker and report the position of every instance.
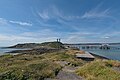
(4, 50)
(112, 54)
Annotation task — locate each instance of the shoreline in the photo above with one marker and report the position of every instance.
(43, 50)
(99, 56)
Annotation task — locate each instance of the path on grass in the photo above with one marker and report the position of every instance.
(68, 73)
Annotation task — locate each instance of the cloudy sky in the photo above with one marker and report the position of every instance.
(74, 21)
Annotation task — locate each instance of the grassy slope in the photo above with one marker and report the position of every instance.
(36, 45)
(52, 44)
(33, 67)
(100, 70)
(27, 67)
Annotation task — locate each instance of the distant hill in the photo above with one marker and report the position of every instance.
(52, 44)
(25, 45)
(114, 43)
(38, 45)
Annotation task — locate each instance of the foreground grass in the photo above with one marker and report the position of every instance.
(100, 70)
(65, 57)
(24, 67)
(47, 65)
(33, 71)
(34, 66)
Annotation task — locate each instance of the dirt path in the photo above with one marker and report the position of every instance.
(68, 73)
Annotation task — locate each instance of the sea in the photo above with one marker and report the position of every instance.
(108, 53)
(4, 51)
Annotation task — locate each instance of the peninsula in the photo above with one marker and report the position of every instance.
(37, 64)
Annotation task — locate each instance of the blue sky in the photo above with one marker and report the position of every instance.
(74, 21)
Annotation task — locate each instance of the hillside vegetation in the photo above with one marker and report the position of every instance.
(39, 45)
(53, 44)
(23, 67)
(34, 66)
(100, 70)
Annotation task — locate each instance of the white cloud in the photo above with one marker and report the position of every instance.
(106, 37)
(54, 12)
(21, 23)
(44, 15)
(4, 37)
(7, 22)
(3, 21)
(53, 17)
(15, 39)
(111, 34)
(84, 33)
(97, 13)
(27, 37)
(49, 35)
(44, 33)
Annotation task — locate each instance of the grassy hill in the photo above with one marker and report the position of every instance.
(38, 45)
(53, 44)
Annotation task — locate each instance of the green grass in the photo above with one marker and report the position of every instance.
(38, 67)
(53, 44)
(34, 67)
(62, 56)
(38, 71)
(99, 70)
(25, 66)
(112, 63)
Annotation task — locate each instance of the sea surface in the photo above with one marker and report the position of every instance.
(111, 53)
(5, 50)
